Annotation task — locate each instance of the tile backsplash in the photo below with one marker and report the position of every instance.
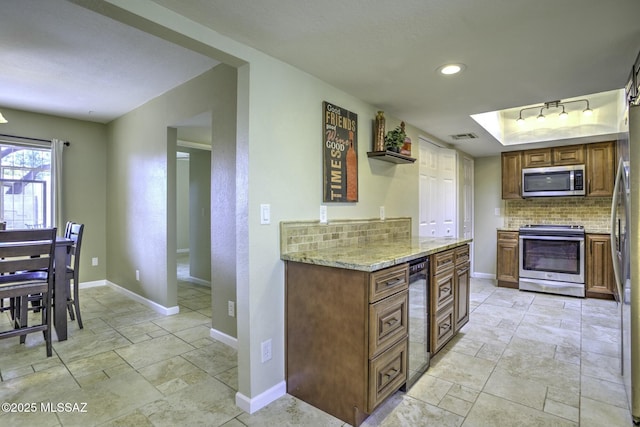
(591, 212)
(299, 236)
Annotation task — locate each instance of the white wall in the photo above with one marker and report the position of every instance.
(488, 198)
(278, 156)
(182, 203)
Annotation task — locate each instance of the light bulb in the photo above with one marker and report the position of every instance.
(588, 111)
(540, 118)
(564, 114)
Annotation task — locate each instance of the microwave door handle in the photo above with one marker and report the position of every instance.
(614, 252)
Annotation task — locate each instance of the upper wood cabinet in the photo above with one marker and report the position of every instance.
(600, 169)
(512, 175)
(598, 158)
(569, 155)
(537, 158)
(556, 156)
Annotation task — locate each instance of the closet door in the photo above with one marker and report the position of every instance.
(428, 192)
(438, 190)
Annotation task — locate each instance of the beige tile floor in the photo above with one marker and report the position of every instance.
(524, 359)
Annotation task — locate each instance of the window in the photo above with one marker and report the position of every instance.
(25, 179)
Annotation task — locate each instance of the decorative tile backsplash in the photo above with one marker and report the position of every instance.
(299, 236)
(591, 212)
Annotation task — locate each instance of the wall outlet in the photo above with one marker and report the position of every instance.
(232, 308)
(94, 261)
(266, 350)
(382, 213)
(323, 214)
(138, 275)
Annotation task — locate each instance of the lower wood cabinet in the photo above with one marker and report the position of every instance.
(462, 287)
(507, 268)
(600, 281)
(450, 283)
(346, 337)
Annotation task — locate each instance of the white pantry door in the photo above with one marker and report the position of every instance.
(437, 191)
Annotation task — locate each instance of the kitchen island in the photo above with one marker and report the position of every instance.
(347, 312)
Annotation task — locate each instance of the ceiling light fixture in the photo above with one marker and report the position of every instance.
(450, 69)
(2, 119)
(554, 104)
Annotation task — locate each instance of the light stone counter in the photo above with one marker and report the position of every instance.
(376, 255)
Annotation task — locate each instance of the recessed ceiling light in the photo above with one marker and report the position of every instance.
(449, 69)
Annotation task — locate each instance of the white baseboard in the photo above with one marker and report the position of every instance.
(252, 405)
(224, 338)
(484, 275)
(95, 283)
(200, 281)
(167, 311)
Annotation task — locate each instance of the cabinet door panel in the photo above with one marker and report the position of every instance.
(511, 175)
(387, 373)
(442, 328)
(387, 322)
(600, 169)
(537, 158)
(443, 289)
(462, 296)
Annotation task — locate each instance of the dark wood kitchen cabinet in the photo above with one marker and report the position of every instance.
(569, 155)
(462, 281)
(346, 337)
(449, 281)
(599, 280)
(537, 158)
(600, 169)
(507, 268)
(556, 156)
(512, 175)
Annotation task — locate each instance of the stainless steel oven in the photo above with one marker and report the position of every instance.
(552, 259)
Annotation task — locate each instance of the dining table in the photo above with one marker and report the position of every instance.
(60, 288)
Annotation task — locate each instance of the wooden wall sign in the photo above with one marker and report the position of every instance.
(340, 154)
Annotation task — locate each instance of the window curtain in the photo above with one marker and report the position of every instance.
(56, 184)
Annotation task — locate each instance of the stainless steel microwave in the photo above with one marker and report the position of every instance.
(553, 181)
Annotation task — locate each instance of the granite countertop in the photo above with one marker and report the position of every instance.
(377, 255)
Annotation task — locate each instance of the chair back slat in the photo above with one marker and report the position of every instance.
(23, 264)
(16, 249)
(26, 250)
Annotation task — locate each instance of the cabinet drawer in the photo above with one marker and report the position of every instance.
(383, 283)
(508, 235)
(442, 290)
(387, 373)
(442, 329)
(442, 261)
(387, 322)
(462, 255)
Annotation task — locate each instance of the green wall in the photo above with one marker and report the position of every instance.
(84, 178)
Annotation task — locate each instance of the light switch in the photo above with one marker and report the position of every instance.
(265, 214)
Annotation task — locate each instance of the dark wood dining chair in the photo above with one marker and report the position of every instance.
(26, 270)
(74, 232)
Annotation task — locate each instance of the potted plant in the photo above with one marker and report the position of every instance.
(394, 139)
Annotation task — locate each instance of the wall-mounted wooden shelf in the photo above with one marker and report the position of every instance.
(390, 156)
